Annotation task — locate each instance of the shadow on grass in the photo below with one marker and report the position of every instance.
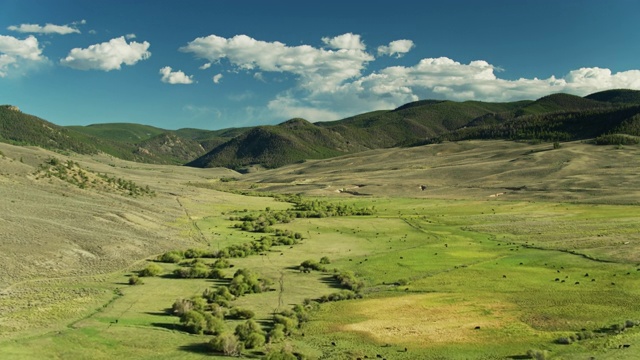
(518, 357)
(173, 327)
(167, 312)
(331, 282)
(198, 348)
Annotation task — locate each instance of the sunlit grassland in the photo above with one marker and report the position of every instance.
(434, 271)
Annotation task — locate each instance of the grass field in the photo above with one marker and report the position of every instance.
(460, 276)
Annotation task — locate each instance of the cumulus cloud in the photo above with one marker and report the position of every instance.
(175, 77)
(317, 69)
(205, 66)
(346, 41)
(107, 56)
(130, 36)
(16, 53)
(217, 78)
(397, 48)
(46, 29)
(331, 82)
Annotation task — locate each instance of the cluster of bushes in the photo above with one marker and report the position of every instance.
(197, 269)
(309, 265)
(71, 172)
(584, 334)
(281, 237)
(248, 335)
(339, 296)
(616, 139)
(128, 186)
(247, 282)
(264, 221)
(348, 279)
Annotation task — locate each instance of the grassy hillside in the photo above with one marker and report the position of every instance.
(274, 146)
(120, 132)
(19, 128)
(617, 96)
(610, 116)
(558, 126)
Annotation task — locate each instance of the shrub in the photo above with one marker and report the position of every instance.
(325, 260)
(151, 270)
(538, 354)
(227, 343)
(171, 257)
(135, 280)
(277, 333)
(564, 340)
(193, 321)
(281, 354)
(243, 330)
(254, 340)
(239, 313)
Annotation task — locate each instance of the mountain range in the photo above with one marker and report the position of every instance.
(607, 117)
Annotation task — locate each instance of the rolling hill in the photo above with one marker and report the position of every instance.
(612, 116)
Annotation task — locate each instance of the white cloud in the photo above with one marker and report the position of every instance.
(258, 76)
(205, 66)
(174, 77)
(107, 56)
(130, 36)
(317, 69)
(346, 41)
(16, 53)
(217, 78)
(47, 29)
(331, 82)
(397, 48)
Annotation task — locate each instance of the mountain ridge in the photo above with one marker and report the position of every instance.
(555, 117)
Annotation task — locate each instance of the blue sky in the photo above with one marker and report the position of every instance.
(220, 64)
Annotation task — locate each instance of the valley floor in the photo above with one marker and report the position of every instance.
(486, 261)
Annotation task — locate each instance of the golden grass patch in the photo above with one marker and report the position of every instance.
(429, 319)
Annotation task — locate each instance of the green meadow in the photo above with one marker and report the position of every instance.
(443, 279)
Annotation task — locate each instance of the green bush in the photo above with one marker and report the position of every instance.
(227, 343)
(171, 257)
(239, 313)
(538, 354)
(151, 270)
(281, 354)
(135, 280)
(277, 334)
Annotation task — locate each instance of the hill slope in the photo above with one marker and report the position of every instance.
(274, 146)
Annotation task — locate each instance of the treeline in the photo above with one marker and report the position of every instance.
(262, 222)
(561, 126)
(71, 172)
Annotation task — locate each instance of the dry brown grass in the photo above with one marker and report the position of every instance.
(429, 319)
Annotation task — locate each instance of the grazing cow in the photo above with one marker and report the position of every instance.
(504, 276)
(613, 283)
(593, 279)
(333, 343)
(557, 279)
(562, 281)
(477, 328)
(577, 282)
(521, 264)
(586, 275)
